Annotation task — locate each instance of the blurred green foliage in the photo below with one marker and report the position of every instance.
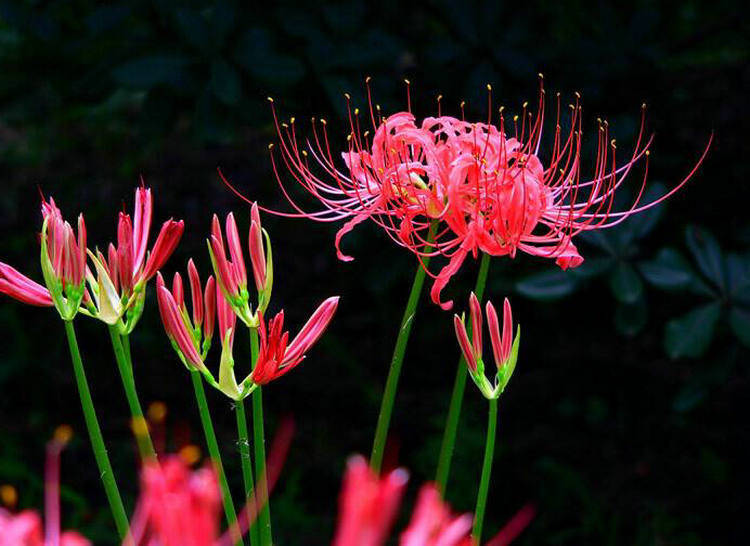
(617, 443)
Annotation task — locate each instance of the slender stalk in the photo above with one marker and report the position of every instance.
(125, 365)
(95, 435)
(484, 482)
(391, 384)
(459, 385)
(259, 444)
(213, 450)
(247, 469)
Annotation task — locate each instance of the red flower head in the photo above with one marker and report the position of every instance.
(275, 357)
(485, 186)
(129, 265)
(368, 504)
(504, 346)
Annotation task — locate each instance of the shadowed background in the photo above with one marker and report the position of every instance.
(623, 419)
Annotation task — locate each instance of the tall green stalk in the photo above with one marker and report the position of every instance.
(484, 482)
(391, 384)
(95, 435)
(259, 444)
(459, 385)
(247, 470)
(213, 450)
(125, 365)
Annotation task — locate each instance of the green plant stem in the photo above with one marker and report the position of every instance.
(213, 450)
(259, 444)
(391, 384)
(95, 435)
(484, 482)
(125, 365)
(247, 470)
(459, 386)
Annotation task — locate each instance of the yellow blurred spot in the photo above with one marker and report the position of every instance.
(270, 99)
(368, 79)
(407, 82)
(348, 96)
(489, 87)
(138, 426)
(190, 454)
(157, 411)
(63, 434)
(8, 495)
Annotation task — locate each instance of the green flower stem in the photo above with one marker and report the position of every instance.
(259, 444)
(213, 450)
(95, 435)
(247, 470)
(125, 365)
(484, 483)
(459, 386)
(391, 384)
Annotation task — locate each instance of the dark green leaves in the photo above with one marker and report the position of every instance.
(548, 285)
(691, 334)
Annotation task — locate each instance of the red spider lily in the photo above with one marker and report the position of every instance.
(504, 347)
(275, 357)
(231, 274)
(488, 187)
(26, 528)
(129, 266)
(368, 504)
(63, 260)
(433, 524)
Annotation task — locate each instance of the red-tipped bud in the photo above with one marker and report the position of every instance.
(142, 224)
(475, 311)
(175, 327)
(125, 252)
(501, 343)
(209, 300)
(178, 291)
(225, 315)
(195, 293)
(464, 343)
(20, 287)
(257, 256)
(166, 242)
(235, 251)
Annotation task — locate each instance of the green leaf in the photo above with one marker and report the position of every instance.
(592, 267)
(739, 320)
(625, 283)
(225, 82)
(707, 255)
(690, 335)
(194, 29)
(738, 272)
(547, 286)
(255, 52)
(668, 271)
(147, 72)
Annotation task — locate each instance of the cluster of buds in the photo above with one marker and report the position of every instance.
(231, 273)
(114, 291)
(504, 346)
(118, 290)
(226, 300)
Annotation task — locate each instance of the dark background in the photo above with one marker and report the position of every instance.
(623, 421)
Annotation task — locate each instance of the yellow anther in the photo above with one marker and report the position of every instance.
(577, 94)
(348, 138)
(648, 153)
(541, 76)
(356, 111)
(439, 98)
(157, 411)
(367, 133)
(613, 143)
(284, 125)
(348, 97)
(489, 87)
(323, 121)
(63, 434)
(190, 454)
(304, 153)
(8, 495)
(291, 120)
(270, 99)
(407, 82)
(525, 104)
(270, 146)
(367, 79)
(500, 110)
(643, 106)
(515, 118)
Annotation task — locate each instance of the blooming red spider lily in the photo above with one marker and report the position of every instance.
(26, 528)
(504, 346)
(275, 357)
(486, 184)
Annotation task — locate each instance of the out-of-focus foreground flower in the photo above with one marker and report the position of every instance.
(486, 186)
